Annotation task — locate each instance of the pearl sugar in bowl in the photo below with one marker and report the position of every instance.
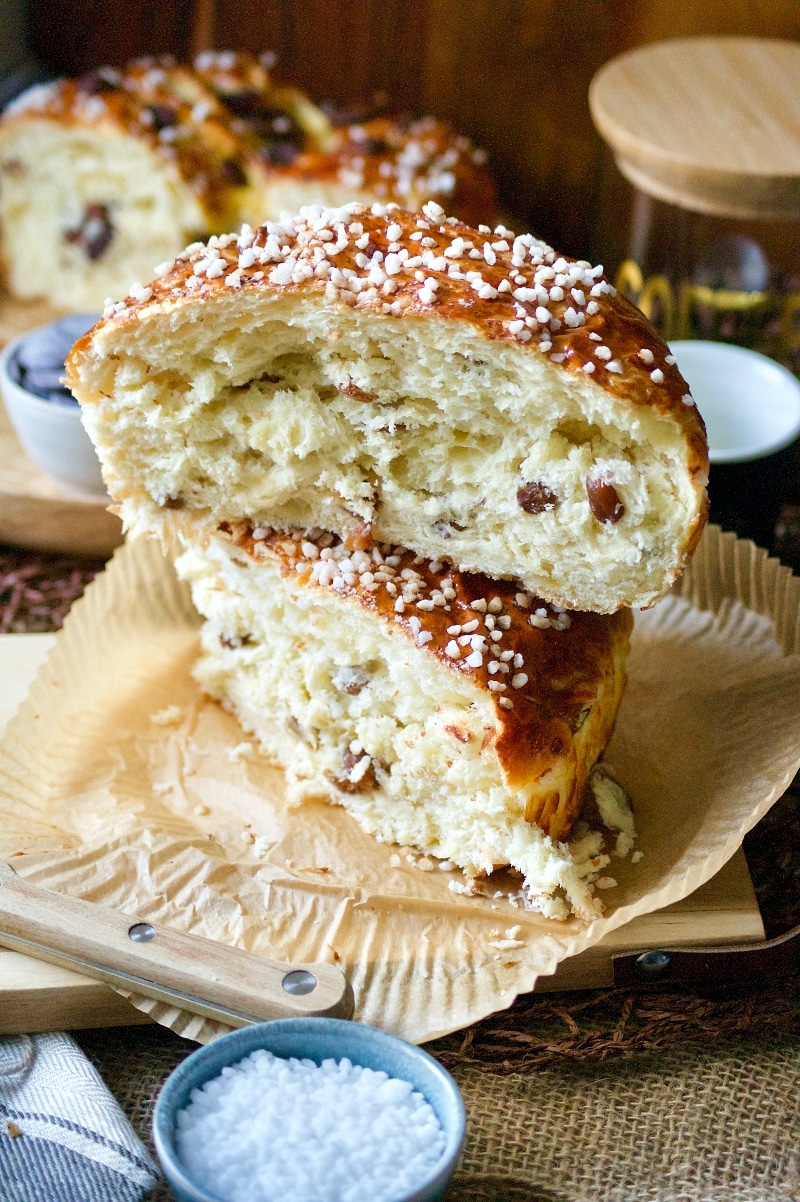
(309, 1110)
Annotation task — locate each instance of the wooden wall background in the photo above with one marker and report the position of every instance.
(513, 74)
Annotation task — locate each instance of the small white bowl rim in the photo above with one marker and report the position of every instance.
(708, 350)
(86, 482)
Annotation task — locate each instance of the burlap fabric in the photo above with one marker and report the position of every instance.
(611, 1096)
(715, 1121)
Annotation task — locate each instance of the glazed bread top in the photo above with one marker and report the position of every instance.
(561, 361)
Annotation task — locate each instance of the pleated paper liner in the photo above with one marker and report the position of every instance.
(120, 783)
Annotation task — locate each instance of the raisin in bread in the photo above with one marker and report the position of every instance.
(445, 711)
(386, 375)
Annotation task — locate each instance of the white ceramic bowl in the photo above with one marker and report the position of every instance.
(51, 433)
(750, 404)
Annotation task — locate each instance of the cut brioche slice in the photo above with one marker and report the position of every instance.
(445, 711)
(404, 377)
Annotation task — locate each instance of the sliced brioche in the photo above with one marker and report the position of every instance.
(466, 393)
(105, 176)
(445, 711)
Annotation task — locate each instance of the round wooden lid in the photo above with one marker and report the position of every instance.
(711, 124)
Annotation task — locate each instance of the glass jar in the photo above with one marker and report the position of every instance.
(705, 135)
(700, 275)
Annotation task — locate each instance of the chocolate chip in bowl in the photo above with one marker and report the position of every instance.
(45, 415)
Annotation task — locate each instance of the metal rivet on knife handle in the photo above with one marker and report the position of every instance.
(299, 982)
(141, 932)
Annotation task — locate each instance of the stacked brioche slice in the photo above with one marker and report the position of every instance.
(446, 711)
(420, 472)
(402, 377)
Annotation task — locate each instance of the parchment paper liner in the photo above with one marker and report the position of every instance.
(99, 801)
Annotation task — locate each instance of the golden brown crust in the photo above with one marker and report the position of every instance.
(542, 667)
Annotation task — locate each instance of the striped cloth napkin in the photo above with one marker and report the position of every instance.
(63, 1138)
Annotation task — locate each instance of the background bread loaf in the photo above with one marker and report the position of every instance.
(105, 176)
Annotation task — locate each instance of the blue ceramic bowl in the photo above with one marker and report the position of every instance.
(316, 1039)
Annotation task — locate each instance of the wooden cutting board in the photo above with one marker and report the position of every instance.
(34, 512)
(35, 996)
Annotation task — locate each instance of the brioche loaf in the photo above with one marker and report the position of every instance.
(445, 711)
(105, 176)
(316, 159)
(404, 378)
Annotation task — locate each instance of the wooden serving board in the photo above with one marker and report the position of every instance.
(34, 512)
(35, 996)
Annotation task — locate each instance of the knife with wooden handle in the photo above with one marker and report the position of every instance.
(196, 974)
